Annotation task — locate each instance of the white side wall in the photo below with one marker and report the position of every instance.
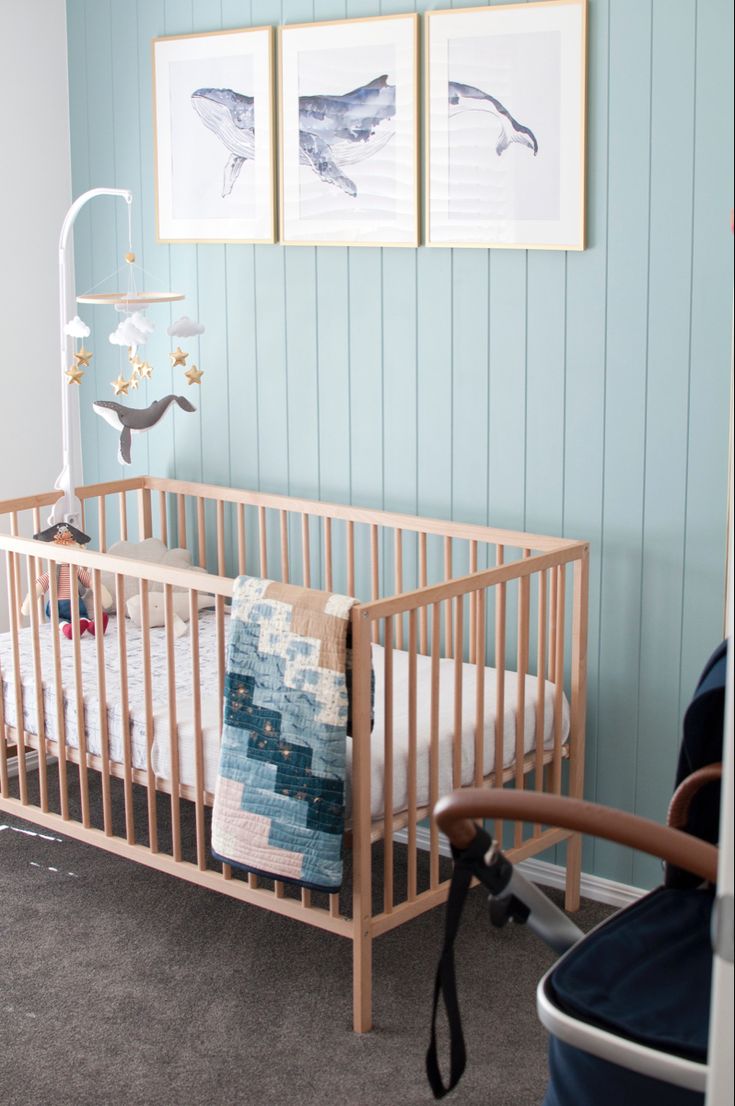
(35, 191)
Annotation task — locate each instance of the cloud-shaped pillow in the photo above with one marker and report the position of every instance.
(152, 550)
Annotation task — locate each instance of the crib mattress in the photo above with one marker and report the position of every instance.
(161, 751)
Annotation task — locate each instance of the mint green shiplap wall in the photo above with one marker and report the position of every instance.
(580, 394)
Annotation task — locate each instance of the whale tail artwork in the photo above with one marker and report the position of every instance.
(465, 97)
(136, 420)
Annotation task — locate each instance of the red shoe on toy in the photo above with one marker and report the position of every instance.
(92, 626)
(68, 630)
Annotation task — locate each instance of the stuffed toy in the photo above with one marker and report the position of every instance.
(67, 536)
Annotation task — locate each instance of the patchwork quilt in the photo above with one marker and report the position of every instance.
(279, 804)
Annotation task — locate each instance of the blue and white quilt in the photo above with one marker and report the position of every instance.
(279, 806)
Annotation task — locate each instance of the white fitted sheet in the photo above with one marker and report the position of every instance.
(161, 754)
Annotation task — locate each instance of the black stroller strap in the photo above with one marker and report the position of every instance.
(465, 866)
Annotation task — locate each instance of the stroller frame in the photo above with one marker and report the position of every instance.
(513, 896)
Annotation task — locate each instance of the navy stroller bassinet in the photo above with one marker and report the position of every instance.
(627, 1005)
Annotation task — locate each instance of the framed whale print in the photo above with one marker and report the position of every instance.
(505, 125)
(349, 132)
(214, 136)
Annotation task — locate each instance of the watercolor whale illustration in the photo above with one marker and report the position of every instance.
(135, 420)
(336, 131)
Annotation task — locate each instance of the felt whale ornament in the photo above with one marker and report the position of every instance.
(136, 420)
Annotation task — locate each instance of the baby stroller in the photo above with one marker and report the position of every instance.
(627, 1005)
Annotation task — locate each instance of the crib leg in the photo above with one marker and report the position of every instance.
(574, 872)
(362, 979)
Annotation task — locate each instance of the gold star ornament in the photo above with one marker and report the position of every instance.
(194, 375)
(75, 374)
(145, 370)
(178, 357)
(83, 357)
(120, 386)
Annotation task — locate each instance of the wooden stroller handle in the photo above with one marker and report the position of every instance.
(454, 814)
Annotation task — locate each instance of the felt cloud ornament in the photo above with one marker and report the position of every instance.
(185, 328)
(133, 330)
(77, 328)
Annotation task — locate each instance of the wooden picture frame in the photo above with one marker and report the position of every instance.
(505, 126)
(348, 122)
(214, 135)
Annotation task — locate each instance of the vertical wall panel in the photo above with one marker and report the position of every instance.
(711, 303)
(625, 412)
(583, 394)
(672, 149)
(585, 370)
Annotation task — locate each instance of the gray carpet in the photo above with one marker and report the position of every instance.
(125, 987)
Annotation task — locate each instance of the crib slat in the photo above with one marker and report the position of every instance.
(423, 615)
(480, 692)
(388, 766)
(123, 516)
(540, 690)
(15, 531)
(181, 519)
(122, 651)
(553, 612)
(559, 679)
(398, 559)
(473, 604)
(13, 608)
(434, 747)
(448, 603)
(219, 609)
(328, 574)
(241, 544)
(202, 532)
(36, 529)
(305, 897)
(350, 557)
(163, 517)
(58, 690)
(221, 560)
(145, 515)
(102, 703)
(32, 572)
(4, 780)
(79, 691)
(458, 672)
(522, 667)
(412, 858)
(279, 888)
(284, 547)
(305, 551)
(102, 523)
(500, 612)
(374, 575)
(145, 638)
(263, 543)
(173, 729)
(196, 697)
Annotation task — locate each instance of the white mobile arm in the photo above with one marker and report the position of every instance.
(68, 508)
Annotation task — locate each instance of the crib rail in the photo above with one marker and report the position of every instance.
(478, 637)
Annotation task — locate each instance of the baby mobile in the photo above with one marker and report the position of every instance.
(131, 334)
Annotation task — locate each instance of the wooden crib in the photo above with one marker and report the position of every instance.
(446, 599)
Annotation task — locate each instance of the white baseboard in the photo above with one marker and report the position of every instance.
(596, 888)
(31, 764)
